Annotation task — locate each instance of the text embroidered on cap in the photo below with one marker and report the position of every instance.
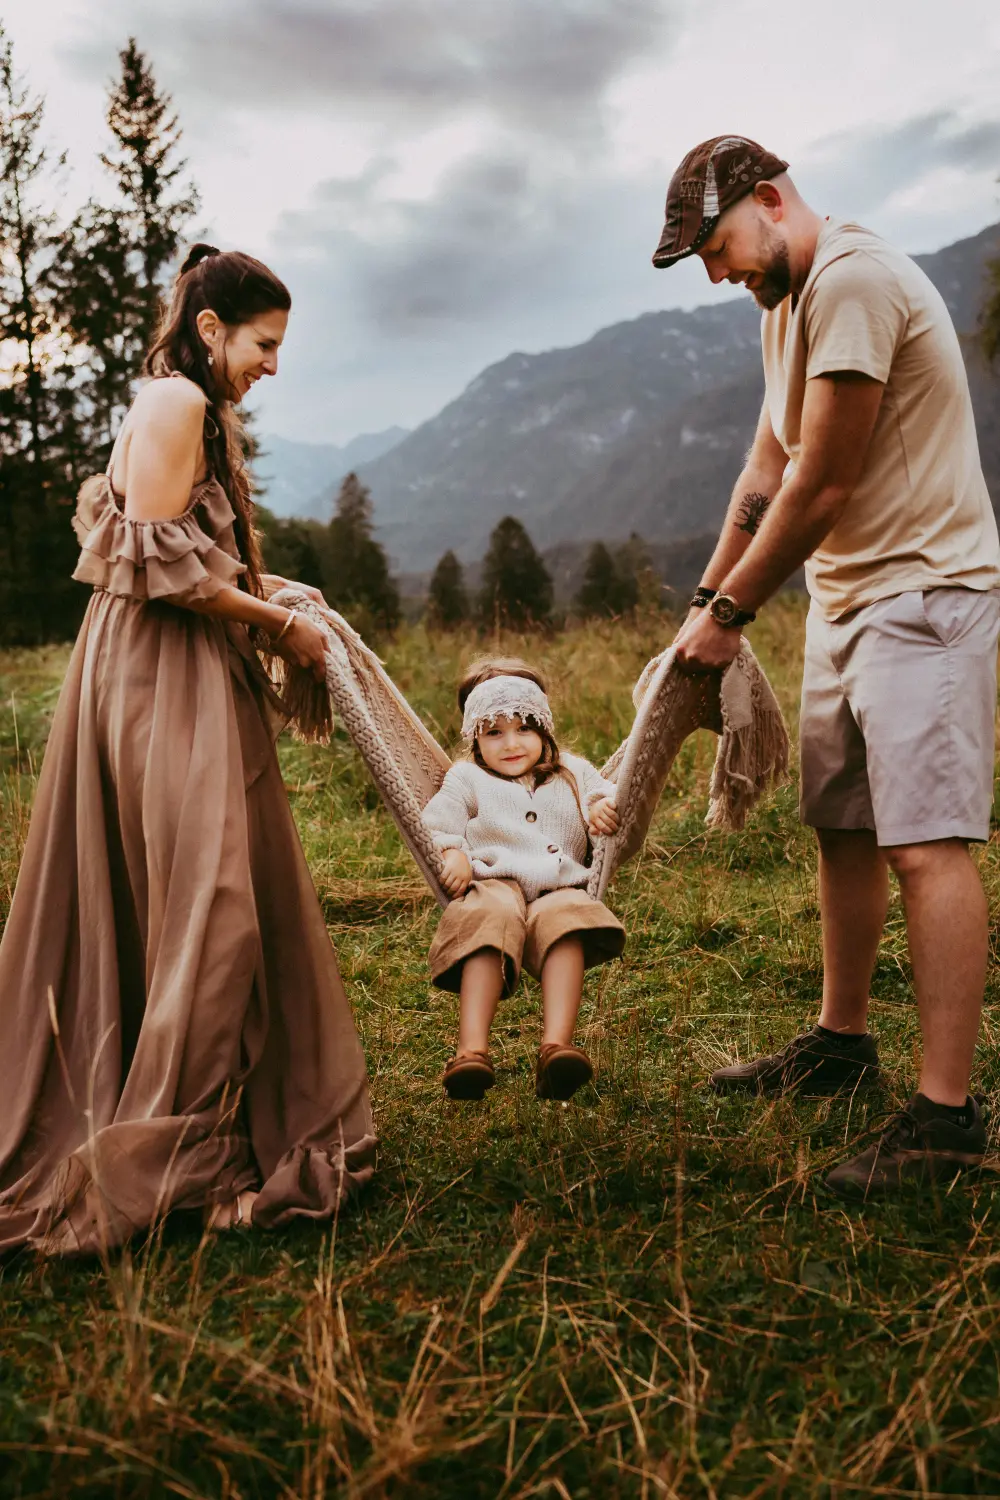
(739, 168)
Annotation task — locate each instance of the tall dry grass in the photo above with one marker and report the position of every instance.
(645, 1293)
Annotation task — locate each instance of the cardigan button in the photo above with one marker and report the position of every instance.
(553, 848)
(531, 817)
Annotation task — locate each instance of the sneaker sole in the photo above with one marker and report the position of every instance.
(804, 1089)
(945, 1169)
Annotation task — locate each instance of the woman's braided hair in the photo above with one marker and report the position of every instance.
(237, 288)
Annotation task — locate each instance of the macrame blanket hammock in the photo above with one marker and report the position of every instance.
(408, 765)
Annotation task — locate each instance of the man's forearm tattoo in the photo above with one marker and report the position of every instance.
(753, 508)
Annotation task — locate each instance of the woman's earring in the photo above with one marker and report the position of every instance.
(211, 359)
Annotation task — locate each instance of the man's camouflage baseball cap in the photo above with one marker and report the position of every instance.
(710, 179)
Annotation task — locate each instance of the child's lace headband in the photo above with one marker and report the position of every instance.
(507, 697)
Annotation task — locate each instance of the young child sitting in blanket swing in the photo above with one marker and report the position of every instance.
(514, 824)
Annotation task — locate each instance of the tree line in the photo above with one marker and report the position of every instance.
(80, 292)
(515, 590)
(80, 296)
(342, 558)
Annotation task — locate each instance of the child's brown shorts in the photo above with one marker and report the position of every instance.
(494, 914)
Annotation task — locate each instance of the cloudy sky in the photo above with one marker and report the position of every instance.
(444, 181)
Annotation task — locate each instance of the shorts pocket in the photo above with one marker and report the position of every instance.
(953, 614)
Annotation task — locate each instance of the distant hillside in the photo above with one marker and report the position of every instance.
(679, 565)
(642, 428)
(533, 435)
(300, 479)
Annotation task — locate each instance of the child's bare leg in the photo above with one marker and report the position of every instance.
(482, 986)
(562, 990)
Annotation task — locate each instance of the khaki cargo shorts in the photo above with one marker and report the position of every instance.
(898, 708)
(494, 914)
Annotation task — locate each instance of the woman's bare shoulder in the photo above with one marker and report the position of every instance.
(162, 449)
(176, 401)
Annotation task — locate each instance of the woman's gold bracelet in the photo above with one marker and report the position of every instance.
(285, 628)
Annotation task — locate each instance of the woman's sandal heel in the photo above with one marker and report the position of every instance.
(240, 1213)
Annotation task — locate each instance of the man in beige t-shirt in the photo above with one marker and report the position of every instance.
(865, 467)
(919, 516)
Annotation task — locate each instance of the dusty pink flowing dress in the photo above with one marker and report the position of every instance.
(174, 1028)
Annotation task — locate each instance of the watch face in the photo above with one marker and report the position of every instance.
(724, 609)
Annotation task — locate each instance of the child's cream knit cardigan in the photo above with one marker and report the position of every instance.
(509, 832)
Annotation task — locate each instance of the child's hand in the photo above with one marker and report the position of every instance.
(456, 876)
(603, 816)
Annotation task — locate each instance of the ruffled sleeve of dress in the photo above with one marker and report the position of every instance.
(191, 557)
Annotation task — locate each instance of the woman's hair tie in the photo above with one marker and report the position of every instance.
(196, 255)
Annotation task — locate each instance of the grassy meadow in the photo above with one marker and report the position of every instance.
(643, 1293)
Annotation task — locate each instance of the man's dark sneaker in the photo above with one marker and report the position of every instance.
(924, 1143)
(813, 1063)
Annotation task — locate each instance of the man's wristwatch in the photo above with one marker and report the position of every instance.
(726, 612)
(702, 596)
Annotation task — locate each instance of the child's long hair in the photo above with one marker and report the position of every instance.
(550, 764)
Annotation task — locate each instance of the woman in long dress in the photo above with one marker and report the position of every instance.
(174, 1029)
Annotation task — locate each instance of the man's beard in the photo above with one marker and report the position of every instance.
(776, 278)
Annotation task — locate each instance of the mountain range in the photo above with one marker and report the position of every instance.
(294, 479)
(642, 428)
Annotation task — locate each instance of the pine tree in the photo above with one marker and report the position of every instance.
(599, 591)
(517, 588)
(115, 256)
(105, 313)
(639, 581)
(356, 578)
(291, 547)
(145, 165)
(78, 304)
(39, 425)
(25, 233)
(448, 604)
